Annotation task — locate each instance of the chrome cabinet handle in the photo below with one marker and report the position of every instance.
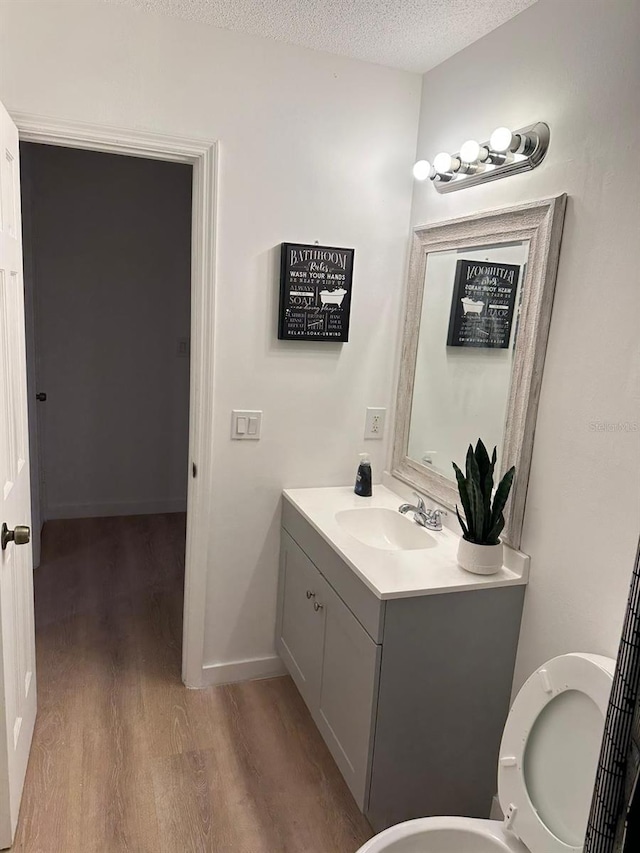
(310, 594)
(317, 606)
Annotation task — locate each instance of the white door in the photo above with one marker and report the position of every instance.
(17, 640)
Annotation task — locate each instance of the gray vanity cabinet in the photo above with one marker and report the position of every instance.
(409, 694)
(333, 661)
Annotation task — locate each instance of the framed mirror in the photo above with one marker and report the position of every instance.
(478, 310)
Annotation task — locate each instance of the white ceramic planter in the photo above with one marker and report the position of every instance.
(480, 559)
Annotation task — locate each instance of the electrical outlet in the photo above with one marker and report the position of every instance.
(374, 423)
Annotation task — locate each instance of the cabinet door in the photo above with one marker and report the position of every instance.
(300, 625)
(348, 692)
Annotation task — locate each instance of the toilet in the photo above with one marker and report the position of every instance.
(546, 770)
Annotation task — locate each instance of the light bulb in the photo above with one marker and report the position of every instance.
(422, 170)
(470, 151)
(501, 140)
(444, 163)
(473, 152)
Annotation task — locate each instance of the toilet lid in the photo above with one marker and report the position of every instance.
(549, 752)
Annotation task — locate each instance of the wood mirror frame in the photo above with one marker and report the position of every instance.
(540, 224)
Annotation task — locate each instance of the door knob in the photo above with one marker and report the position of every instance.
(41, 397)
(21, 535)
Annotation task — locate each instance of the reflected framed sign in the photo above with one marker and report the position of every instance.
(483, 304)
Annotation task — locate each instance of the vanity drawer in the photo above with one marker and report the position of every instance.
(368, 609)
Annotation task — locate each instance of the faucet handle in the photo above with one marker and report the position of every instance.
(420, 502)
(437, 513)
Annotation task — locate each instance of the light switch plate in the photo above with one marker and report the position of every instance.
(246, 425)
(374, 423)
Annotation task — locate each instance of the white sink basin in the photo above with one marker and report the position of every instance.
(386, 529)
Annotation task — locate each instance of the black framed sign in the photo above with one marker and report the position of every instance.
(315, 293)
(483, 304)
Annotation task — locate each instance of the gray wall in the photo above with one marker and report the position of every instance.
(110, 241)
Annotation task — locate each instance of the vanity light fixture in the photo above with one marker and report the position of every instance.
(507, 152)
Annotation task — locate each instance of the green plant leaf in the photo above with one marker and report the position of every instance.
(487, 493)
(489, 486)
(486, 467)
(502, 493)
(477, 506)
(473, 515)
(494, 534)
(465, 529)
(482, 458)
(473, 472)
(464, 496)
(474, 483)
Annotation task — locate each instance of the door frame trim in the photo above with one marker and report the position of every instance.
(203, 156)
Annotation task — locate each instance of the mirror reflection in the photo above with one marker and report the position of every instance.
(467, 334)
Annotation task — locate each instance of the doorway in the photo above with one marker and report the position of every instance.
(107, 246)
(202, 157)
(107, 251)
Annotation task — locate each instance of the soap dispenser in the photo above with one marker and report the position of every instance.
(363, 485)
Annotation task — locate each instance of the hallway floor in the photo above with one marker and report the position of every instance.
(124, 757)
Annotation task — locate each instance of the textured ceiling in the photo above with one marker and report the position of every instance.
(410, 34)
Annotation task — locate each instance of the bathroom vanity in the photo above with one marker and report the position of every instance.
(404, 660)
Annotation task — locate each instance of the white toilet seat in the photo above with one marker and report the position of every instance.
(445, 835)
(549, 752)
(546, 770)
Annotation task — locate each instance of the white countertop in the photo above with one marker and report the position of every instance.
(397, 574)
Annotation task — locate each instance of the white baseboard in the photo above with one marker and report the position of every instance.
(242, 670)
(102, 510)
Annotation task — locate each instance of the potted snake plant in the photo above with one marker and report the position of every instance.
(480, 549)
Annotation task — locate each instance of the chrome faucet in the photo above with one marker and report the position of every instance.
(429, 518)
